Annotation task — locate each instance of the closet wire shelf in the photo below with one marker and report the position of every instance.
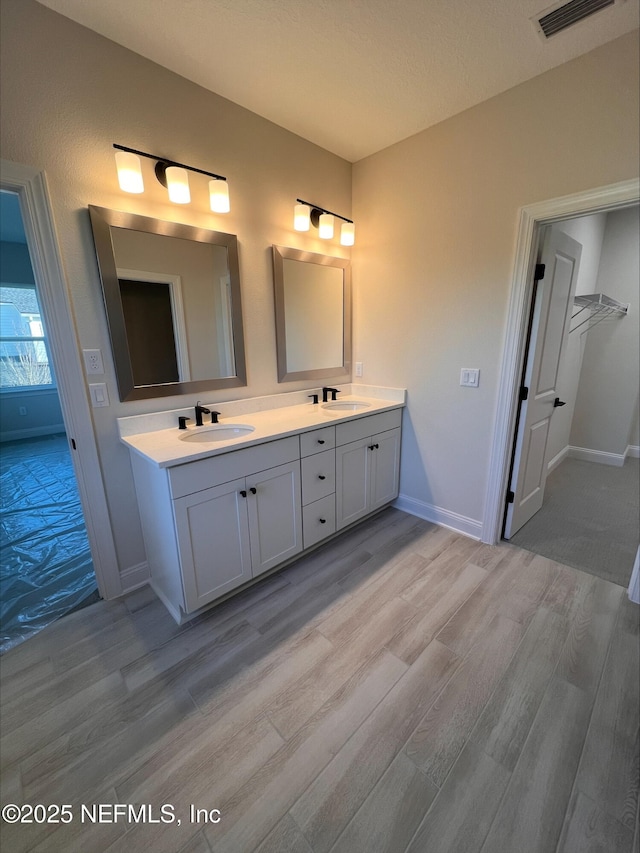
(598, 307)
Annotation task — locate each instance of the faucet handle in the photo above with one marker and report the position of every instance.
(334, 391)
(315, 398)
(182, 421)
(214, 417)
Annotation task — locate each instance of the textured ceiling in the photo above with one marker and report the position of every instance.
(353, 76)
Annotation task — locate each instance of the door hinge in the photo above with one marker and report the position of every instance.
(510, 497)
(524, 393)
(539, 273)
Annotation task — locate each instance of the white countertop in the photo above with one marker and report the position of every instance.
(166, 447)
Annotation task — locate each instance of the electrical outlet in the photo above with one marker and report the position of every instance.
(358, 368)
(22, 410)
(93, 361)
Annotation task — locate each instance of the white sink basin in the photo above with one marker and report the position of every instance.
(216, 432)
(346, 405)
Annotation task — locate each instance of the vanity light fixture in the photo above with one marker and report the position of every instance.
(172, 175)
(305, 213)
(325, 226)
(301, 217)
(129, 172)
(176, 180)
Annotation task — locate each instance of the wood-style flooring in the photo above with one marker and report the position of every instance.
(403, 688)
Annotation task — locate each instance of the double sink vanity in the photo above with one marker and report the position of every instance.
(224, 503)
(270, 478)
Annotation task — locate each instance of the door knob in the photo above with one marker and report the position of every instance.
(558, 402)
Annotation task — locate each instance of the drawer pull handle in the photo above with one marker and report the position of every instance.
(321, 477)
(374, 446)
(253, 490)
(321, 441)
(243, 493)
(323, 521)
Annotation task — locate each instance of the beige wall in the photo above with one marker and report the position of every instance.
(67, 95)
(437, 217)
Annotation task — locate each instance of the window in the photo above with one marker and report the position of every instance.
(24, 360)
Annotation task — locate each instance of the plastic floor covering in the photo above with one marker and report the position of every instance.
(46, 569)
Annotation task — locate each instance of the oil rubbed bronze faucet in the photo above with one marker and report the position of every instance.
(200, 411)
(327, 391)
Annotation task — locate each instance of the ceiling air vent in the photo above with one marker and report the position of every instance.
(560, 17)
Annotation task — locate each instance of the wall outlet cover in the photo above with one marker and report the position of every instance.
(93, 361)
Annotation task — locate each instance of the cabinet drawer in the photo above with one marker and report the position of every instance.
(318, 476)
(363, 427)
(214, 470)
(319, 520)
(317, 440)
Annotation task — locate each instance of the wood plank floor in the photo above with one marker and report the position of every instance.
(403, 688)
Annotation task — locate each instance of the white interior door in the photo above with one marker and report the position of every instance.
(551, 316)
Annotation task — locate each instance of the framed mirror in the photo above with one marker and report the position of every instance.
(313, 314)
(172, 297)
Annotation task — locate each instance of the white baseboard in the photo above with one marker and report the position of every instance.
(557, 459)
(633, 451)
(32, 432)
(134, 577)
(600, 456)
(443, 517)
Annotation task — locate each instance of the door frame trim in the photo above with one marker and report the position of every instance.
(31, 187)
(531, 219)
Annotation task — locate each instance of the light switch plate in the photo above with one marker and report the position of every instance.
(99, 395)
(470, 377)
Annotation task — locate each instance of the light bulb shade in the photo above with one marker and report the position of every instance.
(178, 185)
(301, 217)
(348, 234)
(129, 172)
(325, 226)
(219, 196)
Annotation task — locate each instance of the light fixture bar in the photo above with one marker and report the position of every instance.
(321, 209)
(169, 162)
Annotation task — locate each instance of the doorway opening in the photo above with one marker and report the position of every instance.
(47, 569)
(591, 445)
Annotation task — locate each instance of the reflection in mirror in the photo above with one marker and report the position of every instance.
(313, 314)
(172, 294)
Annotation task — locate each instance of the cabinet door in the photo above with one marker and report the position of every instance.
(353, 472)
(385, 473)
(275, 519)
(213, 539)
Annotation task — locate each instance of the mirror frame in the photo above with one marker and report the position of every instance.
(281, 253)
(102, 220)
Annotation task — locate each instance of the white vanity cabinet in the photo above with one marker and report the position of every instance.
(234, 532)
(214, 524)
(367, 465)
